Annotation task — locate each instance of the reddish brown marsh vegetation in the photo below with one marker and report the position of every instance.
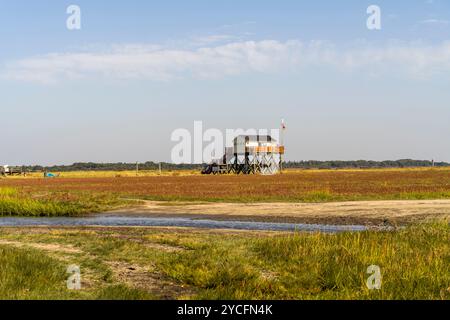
(311, 186)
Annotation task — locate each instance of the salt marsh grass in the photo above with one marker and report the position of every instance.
(202, 264)
(15, 203)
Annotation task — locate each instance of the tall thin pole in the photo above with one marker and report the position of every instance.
(160, 168)
(137, 169)
(283, 128)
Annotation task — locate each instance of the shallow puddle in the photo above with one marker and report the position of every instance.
(124, 221)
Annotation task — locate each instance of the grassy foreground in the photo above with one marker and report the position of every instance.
(138, 263)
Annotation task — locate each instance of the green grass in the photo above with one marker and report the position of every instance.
(8, 192)
(414, 262)
(29, 275)
(32, 275)
(14, 203)
(35, 208)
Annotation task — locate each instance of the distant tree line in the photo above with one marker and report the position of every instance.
(404, 163)
(120, 166)
(311, 164)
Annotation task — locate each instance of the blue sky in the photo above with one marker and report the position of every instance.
(137, 70)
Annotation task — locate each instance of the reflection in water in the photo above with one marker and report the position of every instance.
(123, 221)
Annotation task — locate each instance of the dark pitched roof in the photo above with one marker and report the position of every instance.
(263, 138)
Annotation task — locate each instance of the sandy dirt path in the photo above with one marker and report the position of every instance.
(361, 212)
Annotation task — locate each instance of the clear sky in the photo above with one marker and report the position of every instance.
(137, 70)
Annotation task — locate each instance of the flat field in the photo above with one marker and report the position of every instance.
(292, 186)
